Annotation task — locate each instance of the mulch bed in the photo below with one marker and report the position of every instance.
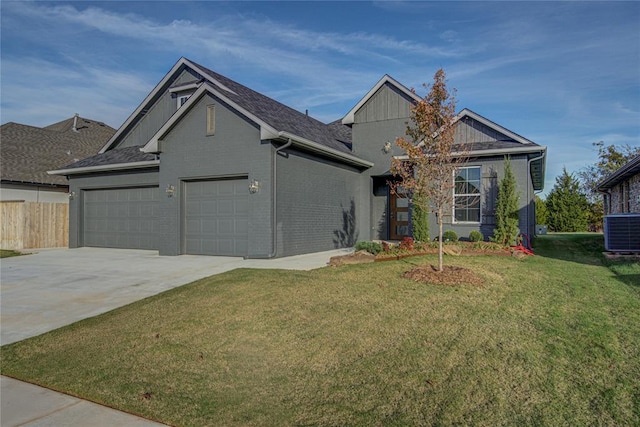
(450, 276)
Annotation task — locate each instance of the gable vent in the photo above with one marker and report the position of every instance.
(622, 232)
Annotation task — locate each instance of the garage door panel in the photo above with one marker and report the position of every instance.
(216, 217)
(242, 207)
(208, 208)
(242, 226)
(121, 218)
(225, 207)
(192, 208)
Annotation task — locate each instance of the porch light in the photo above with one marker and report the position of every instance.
(72, 195)
(170, 190)
(254, 186)
(387, 147)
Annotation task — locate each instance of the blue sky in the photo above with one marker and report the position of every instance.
(563, 74)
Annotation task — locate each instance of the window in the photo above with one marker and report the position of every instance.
(466, 195)
(211, 119)
(182, 99)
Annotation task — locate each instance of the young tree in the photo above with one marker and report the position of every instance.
(427, 169)
(507, 215)
(567, 205)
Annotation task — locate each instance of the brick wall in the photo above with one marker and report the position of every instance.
(625, 197)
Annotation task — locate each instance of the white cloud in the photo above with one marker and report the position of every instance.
(39, 92)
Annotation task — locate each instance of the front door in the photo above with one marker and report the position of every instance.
(398, 217)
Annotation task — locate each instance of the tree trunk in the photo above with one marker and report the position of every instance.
(440, 248)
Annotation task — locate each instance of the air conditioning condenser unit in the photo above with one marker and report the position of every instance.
(622, 232)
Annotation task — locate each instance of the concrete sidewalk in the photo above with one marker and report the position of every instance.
(56, 287)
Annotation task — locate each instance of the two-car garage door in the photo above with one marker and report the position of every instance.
(122, 218)
(214, 218)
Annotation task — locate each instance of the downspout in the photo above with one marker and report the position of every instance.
(274, 207)
(541, 156)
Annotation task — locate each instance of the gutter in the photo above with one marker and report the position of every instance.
(274, 206)
(541, 156)
(496, 151)
(112, 167)
(327, 151)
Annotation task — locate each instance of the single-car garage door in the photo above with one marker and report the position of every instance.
(216, 217)
(121, 218)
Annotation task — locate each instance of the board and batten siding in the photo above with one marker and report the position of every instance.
(156, 116)
(469, 130)
(387, 103)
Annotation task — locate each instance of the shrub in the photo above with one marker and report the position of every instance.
(475, 236)
(407, 244)
(386, 247)
(420, 219)
(371, 247)
(449, 236)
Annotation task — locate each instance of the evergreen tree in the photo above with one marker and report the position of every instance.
(420, 219)
(567, 205)
(507, 216)
(542, 214)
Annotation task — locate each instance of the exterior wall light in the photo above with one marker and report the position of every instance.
(254, 186)
(72, 195)
(387, 147)
(170, 190)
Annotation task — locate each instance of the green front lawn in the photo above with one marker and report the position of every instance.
(549, 340)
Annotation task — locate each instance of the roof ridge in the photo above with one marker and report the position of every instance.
(217, 75)
(277, 114)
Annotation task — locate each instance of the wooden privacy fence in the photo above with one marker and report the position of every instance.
(29, 225)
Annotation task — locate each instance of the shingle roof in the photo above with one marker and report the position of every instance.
(625, 172)
(282, 117)
(113, 157)
(28, 152)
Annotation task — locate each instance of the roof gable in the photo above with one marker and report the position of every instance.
(349, 118)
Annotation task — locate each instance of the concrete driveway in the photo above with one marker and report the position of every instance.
(55, 287)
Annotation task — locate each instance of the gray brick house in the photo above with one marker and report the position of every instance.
(206, 165)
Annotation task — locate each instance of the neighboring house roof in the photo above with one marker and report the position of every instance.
(624, 173)
(28, 152)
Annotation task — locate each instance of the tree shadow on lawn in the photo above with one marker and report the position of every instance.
(588, 249)
(629, 279)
